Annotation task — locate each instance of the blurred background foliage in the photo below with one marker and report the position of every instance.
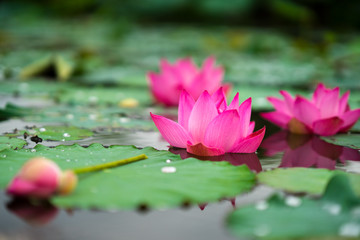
(287, 13)
(101, 50)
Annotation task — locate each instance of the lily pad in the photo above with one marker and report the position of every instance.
(104, 96)
(309, 180)
(137, 184)
(347, 140)
(54, 66)
(57, 133)
(335, 214)
(11, 143)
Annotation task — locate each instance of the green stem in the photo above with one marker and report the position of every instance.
(110, 164)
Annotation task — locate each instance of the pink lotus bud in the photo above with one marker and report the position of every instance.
(325, 114)
(210, 127)
(166, 86)
(40, 178)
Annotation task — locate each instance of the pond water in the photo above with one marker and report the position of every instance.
(24, 220)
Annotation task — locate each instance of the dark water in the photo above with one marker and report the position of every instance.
(24, 220)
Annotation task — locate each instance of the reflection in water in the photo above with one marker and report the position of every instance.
(32, 212)
(236, 159)
(307, 151)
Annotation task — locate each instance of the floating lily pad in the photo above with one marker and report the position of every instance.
(308, 180)
(34, 88)
(10, 110)
(146, 182)
(57, 133)
(104, 96)
(11, 143)
(336, 213)
(347, 140)
(94, 117)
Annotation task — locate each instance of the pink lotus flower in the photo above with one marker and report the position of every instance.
(41, 178)
(166, 86)
(325, 114)
(210, 127)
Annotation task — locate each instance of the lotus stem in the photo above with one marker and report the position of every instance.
(109, 164)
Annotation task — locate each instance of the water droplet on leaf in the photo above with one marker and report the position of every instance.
(168, 169)
(292, 201)
(350, 229)
(332, 208)
(261, 205)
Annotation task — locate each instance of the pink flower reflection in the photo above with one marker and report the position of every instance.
(39, 213)
(250, 159)
(307, 151)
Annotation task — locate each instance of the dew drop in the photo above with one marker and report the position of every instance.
(262, 231)
(332, 208)
(33, 150)
(42, 129)
(66, 135)
(63, 140)
(4, 156)
(57, 156)
(168, 169)
(350, 229)
(261, 205)
(68, 160)
(168, 161)
(292, 201)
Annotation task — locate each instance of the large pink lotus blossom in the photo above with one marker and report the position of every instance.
(325, 114)
(167, 85)
(210, 127)
(41, 178)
